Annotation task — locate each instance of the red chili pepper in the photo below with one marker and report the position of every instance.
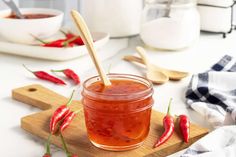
(57, 43)
(70, 74)
(59, 114)
(47, 147)
(68, 119)
(168, 123)
(184, 125)
(78, 40)
(45, 76)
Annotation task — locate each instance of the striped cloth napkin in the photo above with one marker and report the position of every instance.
(219, 143)
(213, 93)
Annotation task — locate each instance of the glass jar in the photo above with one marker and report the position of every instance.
(179, 29)
(117, 117)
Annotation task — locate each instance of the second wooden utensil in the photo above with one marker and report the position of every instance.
(173, 74)
(155, 76)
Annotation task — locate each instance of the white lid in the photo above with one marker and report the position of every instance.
(221, 3)
(175, 3)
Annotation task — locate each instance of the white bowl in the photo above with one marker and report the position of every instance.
(21, 30)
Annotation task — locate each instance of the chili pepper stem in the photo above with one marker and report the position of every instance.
(78, 111)
(47, 145)
(109, 68)
(71, 98)
(64, 145)
(38, 39)
(66, 43)
(57, 70)
(27, 68)
(169, 106)
(63, 32)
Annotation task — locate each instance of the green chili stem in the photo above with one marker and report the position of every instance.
(47, 145)
(66, 43)
(109, 68)
(57, 70)
(38, 39)
(76, 112)
(64, 145)
(27, 68)
(168, 110)
(63, 32)
(70, 100)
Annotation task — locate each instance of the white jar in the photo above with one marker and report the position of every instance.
(119, 18)
(177, 31)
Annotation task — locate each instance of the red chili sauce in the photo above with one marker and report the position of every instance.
(31, 16)
(115, 121)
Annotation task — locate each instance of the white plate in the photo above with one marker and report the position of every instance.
(51, 53)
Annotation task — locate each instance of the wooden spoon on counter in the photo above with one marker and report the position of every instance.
(87, 39)
(172, 74)
(155, 76)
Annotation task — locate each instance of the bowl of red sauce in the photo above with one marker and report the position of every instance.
(40, 22)
(117, 117)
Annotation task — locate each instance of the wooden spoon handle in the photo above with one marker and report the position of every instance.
(143, 55)
(87, 38)
(131, 58)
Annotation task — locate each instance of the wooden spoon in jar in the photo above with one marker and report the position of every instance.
(173, 74)
(87, 39)
(153, 75)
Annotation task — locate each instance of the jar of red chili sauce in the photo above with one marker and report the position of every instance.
(117, 117)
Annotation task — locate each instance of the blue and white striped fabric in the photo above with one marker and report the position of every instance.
(213, 93)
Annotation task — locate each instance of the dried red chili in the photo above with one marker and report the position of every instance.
(45, 76)
(59, 114)
(168, 123)
(184, 125)
(47, 147)
(70, 74)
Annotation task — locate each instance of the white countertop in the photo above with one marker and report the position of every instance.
(198, 58)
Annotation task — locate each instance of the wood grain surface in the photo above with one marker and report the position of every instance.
(76, 136)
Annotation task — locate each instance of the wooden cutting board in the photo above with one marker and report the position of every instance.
(75, 135)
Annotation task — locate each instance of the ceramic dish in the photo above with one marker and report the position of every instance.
(51, 53)
(21, 30)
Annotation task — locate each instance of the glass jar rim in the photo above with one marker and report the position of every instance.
(136, 78)
(162, 4)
